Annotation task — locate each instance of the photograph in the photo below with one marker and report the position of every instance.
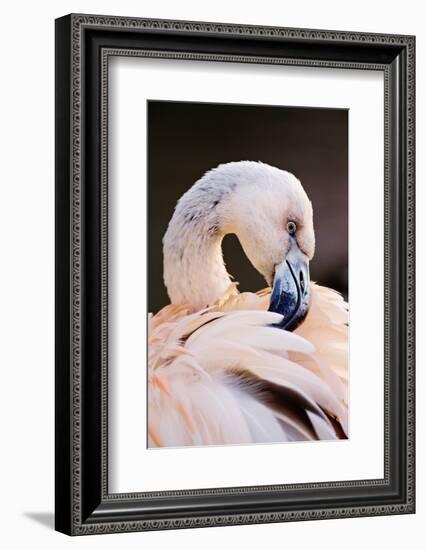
(248, 330)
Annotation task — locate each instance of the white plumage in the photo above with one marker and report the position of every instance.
(219, 371)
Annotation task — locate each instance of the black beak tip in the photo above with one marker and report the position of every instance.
(291, 293)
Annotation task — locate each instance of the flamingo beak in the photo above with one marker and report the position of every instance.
(291, 289)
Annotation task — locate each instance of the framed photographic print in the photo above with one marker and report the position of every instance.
(234, 274)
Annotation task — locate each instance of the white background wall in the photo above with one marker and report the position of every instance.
(26, 289)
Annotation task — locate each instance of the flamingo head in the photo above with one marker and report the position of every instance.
(272, 216)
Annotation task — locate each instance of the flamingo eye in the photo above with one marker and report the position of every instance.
(291, 227)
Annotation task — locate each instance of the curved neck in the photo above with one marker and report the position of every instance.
(194, 270)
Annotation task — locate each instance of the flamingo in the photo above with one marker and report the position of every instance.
(226, 367)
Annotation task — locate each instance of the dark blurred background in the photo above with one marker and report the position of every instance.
(187, 139)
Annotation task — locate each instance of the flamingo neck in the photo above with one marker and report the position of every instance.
(194, 270)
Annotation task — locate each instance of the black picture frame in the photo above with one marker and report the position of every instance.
(83, 45)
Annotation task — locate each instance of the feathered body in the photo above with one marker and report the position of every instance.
(220, 371)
